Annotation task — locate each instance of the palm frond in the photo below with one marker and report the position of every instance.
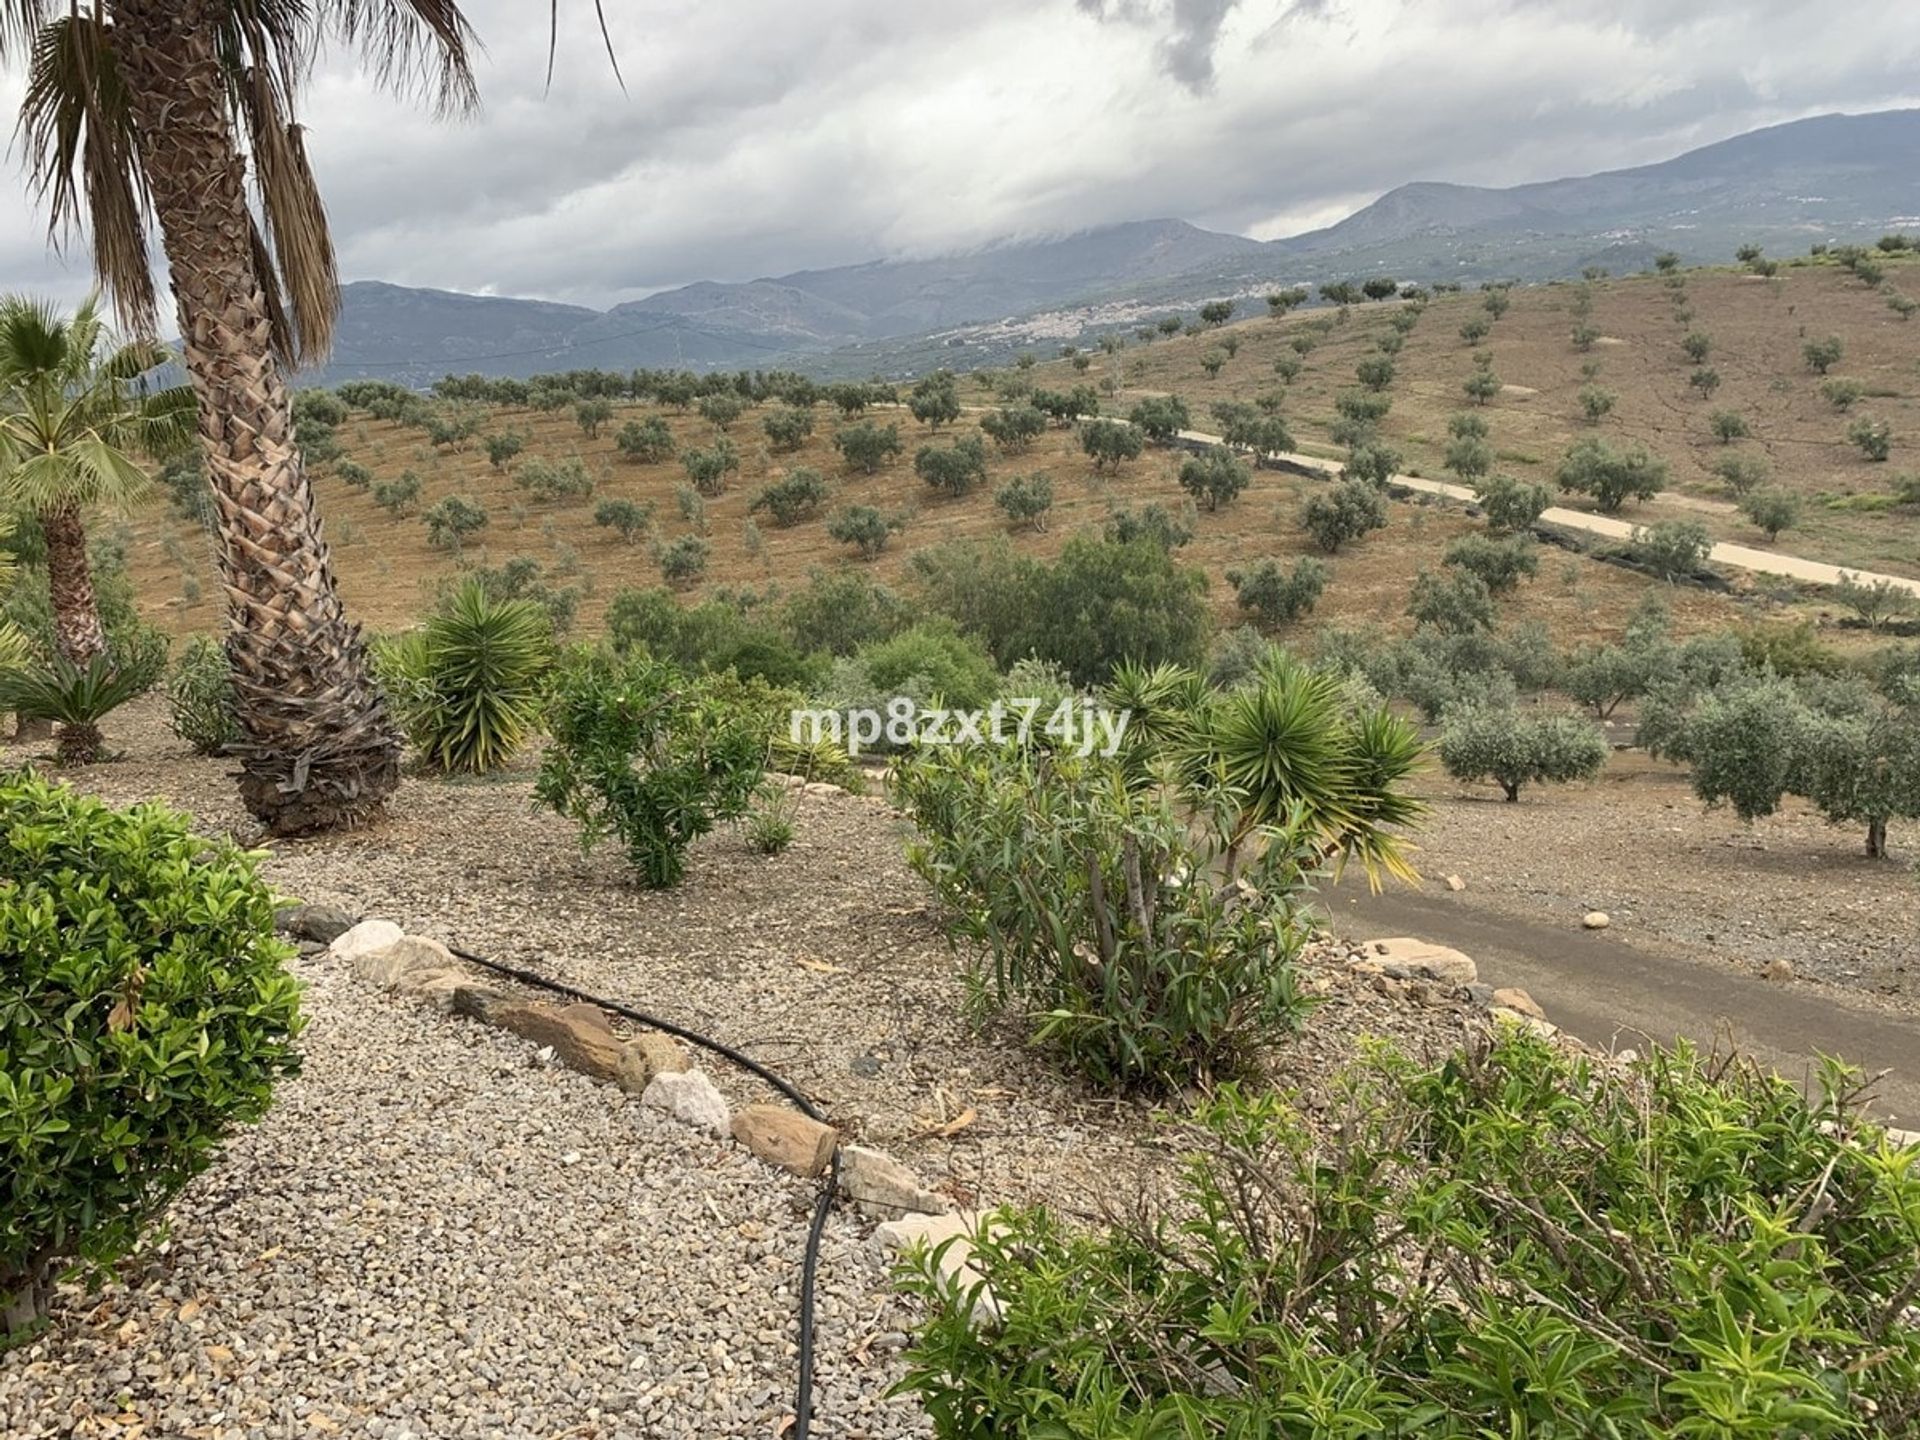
(424, 47)
(296, 221)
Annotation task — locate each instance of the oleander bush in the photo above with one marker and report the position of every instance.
(200, 697)
(144, 1014)
(1519, 1241)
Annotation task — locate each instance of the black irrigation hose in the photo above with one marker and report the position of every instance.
(810, 1264)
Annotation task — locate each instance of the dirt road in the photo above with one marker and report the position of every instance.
(1737, 557)
(1612, 992)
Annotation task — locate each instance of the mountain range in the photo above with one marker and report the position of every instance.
(1833, 177)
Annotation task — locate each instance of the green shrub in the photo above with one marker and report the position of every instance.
(1741, 474)
(684, 559)
(1728, 426)
(451, 520)
(867, 446)
(1502, 563)
(1214, 477)
(788, 429)
(1345, 513)
(1014, 428)
(708, 469)
(629, 519)
(1873, 438)
(951, 667)
(1153, 522)
(1025, 500)
(78, 697)
(1511, 506)
(1517, 1241)
(1110, 443)
(1610, 476)
(1514, 747)
(465, 687)
(648, 441)
(721, 409)
(1771, 511)
(1276, 596)
(1160, 417)
(502, 448)
(1671, 549)
(644, 756)
(398, 496)
(1100, 603)
(953, 469)
(1822, 355)
(769, 824)
(200, 697)
(1842, 392)
(864, 528)
(791, 498)
(146, 1015)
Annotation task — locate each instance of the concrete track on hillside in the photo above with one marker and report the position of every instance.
(1736, 557)
(1613, 990)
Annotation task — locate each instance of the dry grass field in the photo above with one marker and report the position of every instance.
(389, 570)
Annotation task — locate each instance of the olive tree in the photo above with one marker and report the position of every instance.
(1110, 443)
(1345, 513)
(1514, 747)
(1612, 477)
(1215, 476)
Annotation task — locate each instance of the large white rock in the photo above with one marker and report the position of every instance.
(882, 1187)
(365, 938)
(390, 965)
(691, 1098)
(950, 1237)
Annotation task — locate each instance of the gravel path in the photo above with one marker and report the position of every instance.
(435, 1234)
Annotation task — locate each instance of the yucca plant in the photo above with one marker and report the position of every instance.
(466, 686)
(78, 697)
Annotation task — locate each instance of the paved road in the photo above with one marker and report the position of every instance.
(1737, 557)
(1613, 990)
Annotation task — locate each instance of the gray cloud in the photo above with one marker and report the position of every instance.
(760, 137)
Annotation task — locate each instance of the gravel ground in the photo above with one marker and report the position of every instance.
(433, 1234)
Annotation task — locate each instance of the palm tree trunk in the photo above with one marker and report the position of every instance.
(317, 750)
(76, 617)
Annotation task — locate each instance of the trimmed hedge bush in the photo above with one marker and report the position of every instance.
(144, 1013)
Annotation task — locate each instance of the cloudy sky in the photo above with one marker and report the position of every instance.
(756, 137)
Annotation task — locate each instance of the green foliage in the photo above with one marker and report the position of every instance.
(788, 428)
(1110, 443)
(1276, 596)
(1511, 506)
(1252, 428)
(590, 415)
(1822, 355)
(1066, 406)
(1671, 549)
(1771, 511)
(1346, 512)
(1375, 372)
(1742, 474)
(708, 469)
(1514, 747)
(1215, 476)
(838, 611)
(721, 408)
(1697, 346)
(451, 520)
(649, 758)
(1160, 417)
(1515, 1240)
(78, 697)
(792, 498)
(935, 400)
(554, 483)
(1288, 368)
(953, 469)
(1469, 458)
(200, 697)
(398, 496)
(862, 527)
(684, 559)
(1612, 477)
(1475, 329)
(1373, 463)
(867, 446)
(1026, 499)
(629, 519)
(1873, 438)
(769, 824)
(1875, 602)
(948, 666)
(648, 441)
(502, 448)
(1502, 563)
(1728, 426)
(1014, 428)
(1454, 602)
(1481, 386)
(465, 687)
(1216, 312)
(1153, 522)
(146, 1015)
(1842, 392)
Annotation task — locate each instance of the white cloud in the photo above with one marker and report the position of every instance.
(760, 137)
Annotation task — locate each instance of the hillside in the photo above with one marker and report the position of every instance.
(1838, 176)
(388, 570)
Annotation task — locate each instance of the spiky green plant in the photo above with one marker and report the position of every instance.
(466, 686)
(78, 697)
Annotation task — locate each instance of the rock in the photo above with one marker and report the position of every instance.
(1595, 920)
(319, 924)
(1778, 970)
(365, 938)
(646, 1055)
(436, 987)
(391, 964)
(579, 1035)
(689, 1097)
(1537, 1024)
(1456, 884)
(1481, 995)
(951, 1239)
(823, 789)
(865, 1066)
(882, 1187)
(1364, 967)
(784, 1137)
(1514, 998)
(476, 1002)
(1427, 961)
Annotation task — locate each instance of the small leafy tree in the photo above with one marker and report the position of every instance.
(788, 428)
(398, 496)
(1697, 345)
(1876, 602)
(1822, 355)
(452, 520)
(1014, 428)
(1515, 748)
(1873, 438)
(1612, 477)
(591, 415)
(1771, 510)
(721, 409)
(1110, 443)
(1728, 426)
(708, 469)
(503, 447)
(149, 950)
(1671, 549)
(1469, 457)
(648, 758)
(1511, 506)
(1025, 500)
(1481, 386)
(1160, 417)
(1453, 602)
(1372, 462)
(1347, 512)
(953, 469)
(1216, 313)
(862, 527)
(1288, 368)
(1375, 372)
(1742, 474)
(1501, 563)
(629, 519)
(1706, 380)
(684, 560)
(1214, 477)
(1475, 329)
(555, 483)
(1596, 402)
(792, 498)
(1842, 391)
(867, 446)
(1275, 595)
(1154, 523)
(648, 441)
(935, 400)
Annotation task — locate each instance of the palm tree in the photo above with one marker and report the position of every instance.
(74, 414)
(169, 112)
